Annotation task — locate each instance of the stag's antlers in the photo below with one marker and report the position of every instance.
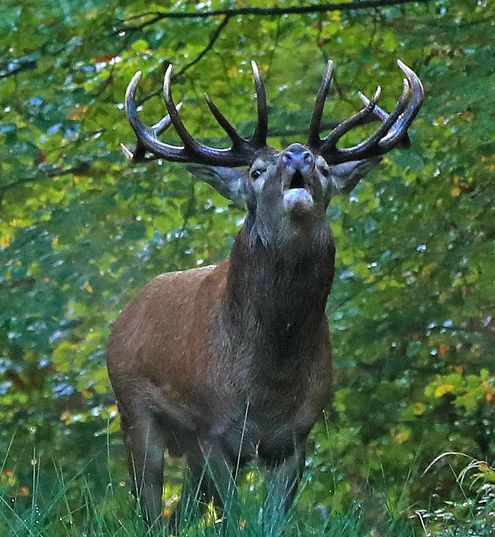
(241, 153)
(392, 131)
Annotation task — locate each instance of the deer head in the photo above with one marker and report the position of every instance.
(294, 184)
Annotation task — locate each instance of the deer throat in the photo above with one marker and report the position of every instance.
(279, 298)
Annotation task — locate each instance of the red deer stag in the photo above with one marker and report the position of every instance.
(225, 363)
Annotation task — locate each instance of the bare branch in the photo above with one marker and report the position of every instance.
(261, 12)
(209, 46)
(213, 39)
(82, 169)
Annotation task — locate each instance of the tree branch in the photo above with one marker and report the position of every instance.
(262, 11)
(18, 68)
(81, 169)
(208, 47)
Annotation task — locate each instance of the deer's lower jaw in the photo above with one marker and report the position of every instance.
(297, 191)
(298, 199)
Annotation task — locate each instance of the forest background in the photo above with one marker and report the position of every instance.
(81, 230)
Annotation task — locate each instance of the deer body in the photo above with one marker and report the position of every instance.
(235, 357)
(226, 363)
(271, 374)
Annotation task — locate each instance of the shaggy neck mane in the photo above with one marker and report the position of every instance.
(276, 293)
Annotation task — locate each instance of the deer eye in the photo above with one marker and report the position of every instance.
(256, 173)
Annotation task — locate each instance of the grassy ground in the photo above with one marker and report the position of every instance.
(90, 501)
(116, 515)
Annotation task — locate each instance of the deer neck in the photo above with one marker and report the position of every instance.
(277, 290)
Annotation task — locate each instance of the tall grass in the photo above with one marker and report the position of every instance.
(474, 513)
(91, 501)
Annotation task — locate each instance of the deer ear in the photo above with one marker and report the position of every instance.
(226, 181)
(344, 177)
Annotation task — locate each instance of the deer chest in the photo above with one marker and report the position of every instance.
(269, 429)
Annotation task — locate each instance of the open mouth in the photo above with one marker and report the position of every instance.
(297, 180)
(297, 192)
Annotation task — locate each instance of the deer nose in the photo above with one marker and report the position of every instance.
(297, 157)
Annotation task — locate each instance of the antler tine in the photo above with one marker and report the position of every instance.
(237, 141)
(397, 131)
(258, 140)
(379, 114)
(330, 142)
(146, 136)
(139, 153)
(235, 156)
(391, 133)
(392, 117)
(314, 141)
(190, 144)
(165, 122)
(371, 141)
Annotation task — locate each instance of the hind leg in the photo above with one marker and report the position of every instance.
(145, 446)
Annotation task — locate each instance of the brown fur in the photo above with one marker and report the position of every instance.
(161, 348)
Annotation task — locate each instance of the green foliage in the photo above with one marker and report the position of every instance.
(413, 305)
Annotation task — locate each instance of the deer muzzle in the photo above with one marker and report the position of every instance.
(298, 157)
(296, 165)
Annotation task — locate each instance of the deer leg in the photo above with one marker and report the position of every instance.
(145, 446)
(208, 478)
(187, 510)
(218, 484)
(283, 480)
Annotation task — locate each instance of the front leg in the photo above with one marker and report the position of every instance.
(218, 484)
(283, 479)
(209, 478)
(191, 503)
